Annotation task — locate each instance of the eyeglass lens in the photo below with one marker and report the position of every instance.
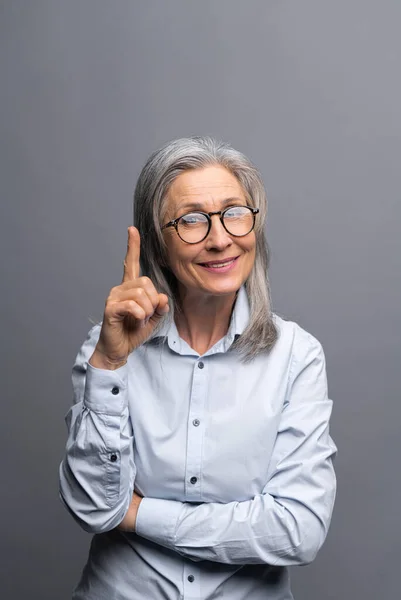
(193, 227)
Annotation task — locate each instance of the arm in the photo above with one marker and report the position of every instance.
(288, 522)
(97, 472)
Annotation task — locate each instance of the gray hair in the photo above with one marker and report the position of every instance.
(159, 172)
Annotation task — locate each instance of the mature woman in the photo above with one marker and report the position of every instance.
(199, 451)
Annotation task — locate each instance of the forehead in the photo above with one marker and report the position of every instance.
(203, 189)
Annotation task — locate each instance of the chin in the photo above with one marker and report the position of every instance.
(223, 288)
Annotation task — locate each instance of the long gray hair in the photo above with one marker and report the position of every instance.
(150, 196)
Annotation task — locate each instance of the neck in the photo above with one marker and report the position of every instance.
(203, 320)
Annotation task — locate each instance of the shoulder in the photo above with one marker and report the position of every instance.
(306, 363)
(295, 340)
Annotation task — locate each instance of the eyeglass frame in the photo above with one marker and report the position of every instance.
(209, 215)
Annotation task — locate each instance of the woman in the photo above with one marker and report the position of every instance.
(199, 451)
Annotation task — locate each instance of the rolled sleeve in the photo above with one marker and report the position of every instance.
(106, 391)
(97, 473)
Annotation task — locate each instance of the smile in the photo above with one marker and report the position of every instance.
(220, 265)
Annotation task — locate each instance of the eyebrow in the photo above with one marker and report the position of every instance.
(182, 209)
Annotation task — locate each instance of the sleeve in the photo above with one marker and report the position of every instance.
(96, 476)
(287, 523)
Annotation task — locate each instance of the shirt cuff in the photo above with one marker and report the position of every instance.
(156, 520)
(106, 390)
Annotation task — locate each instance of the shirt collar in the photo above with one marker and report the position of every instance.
(238, 323)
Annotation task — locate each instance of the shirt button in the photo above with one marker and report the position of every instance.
(115, 391)
(196, 422)
(191, 578)
(113, 457)
(193, 480)
(201, 365)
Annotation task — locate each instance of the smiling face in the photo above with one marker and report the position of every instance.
(221, 263)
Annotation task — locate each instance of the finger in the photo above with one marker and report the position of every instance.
(163, 306)
(131, 261)
(140, 296)
(119, 310)
(138, 286)
(147, 284)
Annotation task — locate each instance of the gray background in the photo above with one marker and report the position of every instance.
(311, 92)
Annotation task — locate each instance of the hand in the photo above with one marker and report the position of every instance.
(129, 521)
(132, 311)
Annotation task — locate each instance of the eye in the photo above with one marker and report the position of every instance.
(236, 212)
(193, 219)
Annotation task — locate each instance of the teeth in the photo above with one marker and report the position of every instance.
(219, 265)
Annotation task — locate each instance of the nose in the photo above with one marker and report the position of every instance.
(218, 238)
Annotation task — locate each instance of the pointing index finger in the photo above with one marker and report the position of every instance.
(131, 261)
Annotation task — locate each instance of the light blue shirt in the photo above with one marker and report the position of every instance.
(234, 461)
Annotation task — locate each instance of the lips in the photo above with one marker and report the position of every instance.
(219, 264)
(220, 267)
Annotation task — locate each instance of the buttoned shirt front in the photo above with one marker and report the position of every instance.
(233, 459)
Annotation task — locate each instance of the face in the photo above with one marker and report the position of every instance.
(221, 263)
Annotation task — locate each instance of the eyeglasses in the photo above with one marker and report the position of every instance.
(194, 227)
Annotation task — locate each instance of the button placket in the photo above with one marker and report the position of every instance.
(195, 431)
(191, 581)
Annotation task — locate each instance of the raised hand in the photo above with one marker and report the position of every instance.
(132, 311)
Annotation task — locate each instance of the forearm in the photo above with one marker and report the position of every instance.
(97, 473)
(260, 530)
(287, 522)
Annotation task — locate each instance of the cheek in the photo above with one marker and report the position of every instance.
(171, 253)
(250, 249)
(249, 246)
(179, 257)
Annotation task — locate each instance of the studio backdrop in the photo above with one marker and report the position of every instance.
(311, 92)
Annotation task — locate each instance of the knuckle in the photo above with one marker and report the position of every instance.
(148, 285)
(113, 291)
(137, 310)
(108, 311)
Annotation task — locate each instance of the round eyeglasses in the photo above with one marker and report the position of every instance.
(195, 226)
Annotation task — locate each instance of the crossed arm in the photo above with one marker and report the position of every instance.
(286, 524)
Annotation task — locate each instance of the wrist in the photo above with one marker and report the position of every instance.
(99, 360)
(129, 521)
